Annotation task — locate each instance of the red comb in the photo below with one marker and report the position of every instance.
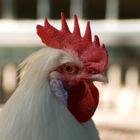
(92, 54)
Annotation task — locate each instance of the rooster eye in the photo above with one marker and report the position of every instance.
(69, 69)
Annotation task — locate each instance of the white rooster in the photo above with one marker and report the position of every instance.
(55, 98)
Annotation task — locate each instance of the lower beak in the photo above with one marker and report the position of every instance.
(97, 77)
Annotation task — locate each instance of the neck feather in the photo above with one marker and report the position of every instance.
(33, 112)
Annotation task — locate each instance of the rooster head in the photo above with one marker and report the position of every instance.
(77, 76)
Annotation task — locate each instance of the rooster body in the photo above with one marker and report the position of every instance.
(35, 111)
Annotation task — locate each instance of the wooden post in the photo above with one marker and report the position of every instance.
(8, 9)
(43, 8)
(76, 7)
(112, 9)
(1, 91)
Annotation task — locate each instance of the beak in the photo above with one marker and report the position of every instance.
(97, 77)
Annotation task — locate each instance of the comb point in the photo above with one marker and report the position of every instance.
(46, 23)
(87, 35)
(96, 41)
(64, 23)
(76, 29)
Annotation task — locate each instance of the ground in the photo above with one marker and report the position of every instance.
(116, 126)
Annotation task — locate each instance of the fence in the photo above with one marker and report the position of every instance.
(91, 9)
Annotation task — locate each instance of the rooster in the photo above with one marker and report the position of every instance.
(56, 97)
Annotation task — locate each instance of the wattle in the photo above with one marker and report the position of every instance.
(83, 100)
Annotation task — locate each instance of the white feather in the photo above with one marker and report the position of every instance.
(33, 112)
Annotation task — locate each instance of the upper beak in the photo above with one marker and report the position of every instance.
(97, 77)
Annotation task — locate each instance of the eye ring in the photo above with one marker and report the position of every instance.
(69, 69)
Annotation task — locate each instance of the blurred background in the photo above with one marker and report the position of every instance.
(116, 22)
